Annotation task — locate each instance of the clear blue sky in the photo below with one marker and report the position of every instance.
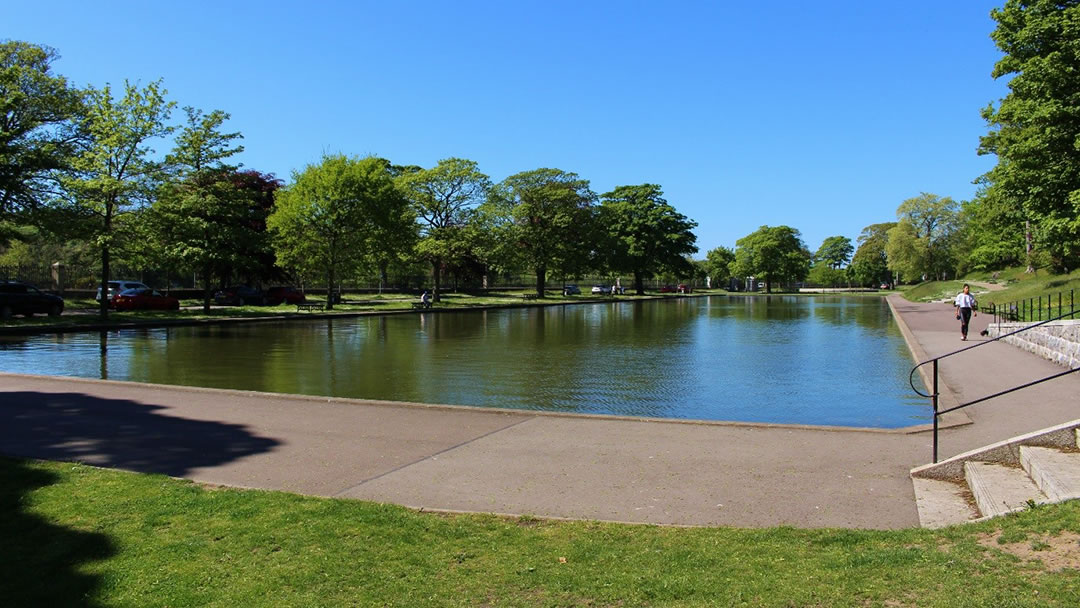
(820, 115)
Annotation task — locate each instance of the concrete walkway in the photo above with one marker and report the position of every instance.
(514, 462)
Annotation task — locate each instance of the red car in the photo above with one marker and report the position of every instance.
(288, 295)
(684, 288)
(144, 299)
(668, 289)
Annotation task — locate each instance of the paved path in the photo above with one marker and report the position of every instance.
(514, 462)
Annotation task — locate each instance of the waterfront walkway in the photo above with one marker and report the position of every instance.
(517, 462)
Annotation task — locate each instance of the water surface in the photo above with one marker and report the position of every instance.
(829, 360)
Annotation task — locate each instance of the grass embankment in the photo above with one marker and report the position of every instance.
(1014, 282)
(79, 313)
(77, 535)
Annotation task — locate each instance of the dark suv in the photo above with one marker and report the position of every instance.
(18, 298)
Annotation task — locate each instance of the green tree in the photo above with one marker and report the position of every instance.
(200, 215)
(36, 138)
(114, 172)
(328, 218)
(549, 214)
(646, 235)
(1034, 130)
(772, 254)
(718, 265)
(922, 242)
(835, 252)
(870, 264)
(444, 198)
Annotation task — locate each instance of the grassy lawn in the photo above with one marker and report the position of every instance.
(1017, 284)
(77, 535)
(84, 312)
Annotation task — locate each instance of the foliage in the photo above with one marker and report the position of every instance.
(113, 172)
(772, 254)
(921, 244)
(823, 274)
(645, 235)
(835, 252)
(869, 265)
(36, 109)
(1034, 130)
(328, 218)
(549, 216)
(718, 265)
(444, 198)
(992, 233)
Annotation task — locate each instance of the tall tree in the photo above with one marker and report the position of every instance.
(646, 234)
(835, 252)
(772, 254)
(36, 112)
(201, 216)
(1034, 130)
(444, 197)
(328, 217)
(549, 213)
(869, 265)
(921, 243)
(114, 171)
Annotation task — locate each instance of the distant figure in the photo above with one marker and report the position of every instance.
(965, 307)
(425, 299)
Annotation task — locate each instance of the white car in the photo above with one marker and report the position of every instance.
(601, 289)
(116, 287)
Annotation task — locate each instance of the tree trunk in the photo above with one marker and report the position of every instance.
(768, 285)
(208, 283)
(1027, 248)
(541, 281)
(330, 278)
(103, 306)
(436, 267)
(382, 275)
(639, 283)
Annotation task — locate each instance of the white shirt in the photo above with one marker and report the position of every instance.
(965, 300)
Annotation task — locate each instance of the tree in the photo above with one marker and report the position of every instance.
(718, 265)
(36, 138)
(921, 242)
(772, 253)
(113, 171)
(201, 216)
(443, 197)
(327, 219)
(1034, 130)
(549, 214)
(835, 252)
(646, 235)
(869, 265)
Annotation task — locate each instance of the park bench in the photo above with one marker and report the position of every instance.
(420, 305)
(310, 306)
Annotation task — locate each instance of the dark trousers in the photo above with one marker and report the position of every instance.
(965, 318)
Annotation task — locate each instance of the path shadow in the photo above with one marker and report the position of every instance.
(39, 560)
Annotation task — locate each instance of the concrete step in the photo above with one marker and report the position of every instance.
(1057, 473)
(1000, 489)
(943, 503)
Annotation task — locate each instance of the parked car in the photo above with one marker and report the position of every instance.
(601, 290)
(668, 289)
(288, 295)
(684, 288)
(238, 295)
(568, 290)
(18, 298)
(116, 287)
(883, 286)
(144, 299)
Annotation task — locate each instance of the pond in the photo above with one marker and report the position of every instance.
(782, 359)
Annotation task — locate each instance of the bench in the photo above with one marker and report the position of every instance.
(528, 296)
(420, 305)
(309, 306)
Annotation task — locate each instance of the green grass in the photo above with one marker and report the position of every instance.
(77, 535)
(1017, 285)
(79, 313)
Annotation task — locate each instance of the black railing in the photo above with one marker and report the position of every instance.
(1032, 309)
(934, 396)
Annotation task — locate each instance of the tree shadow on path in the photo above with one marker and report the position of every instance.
(39, 560)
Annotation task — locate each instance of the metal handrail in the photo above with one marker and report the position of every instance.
(934, 397)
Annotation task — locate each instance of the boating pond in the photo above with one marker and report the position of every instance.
(780, 359)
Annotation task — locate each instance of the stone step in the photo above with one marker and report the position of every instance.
(942, 503)
(1056, 473)
(1000, 489)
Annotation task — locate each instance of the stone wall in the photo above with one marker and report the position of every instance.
(1058, 341)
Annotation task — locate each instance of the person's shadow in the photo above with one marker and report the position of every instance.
(40, 561)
